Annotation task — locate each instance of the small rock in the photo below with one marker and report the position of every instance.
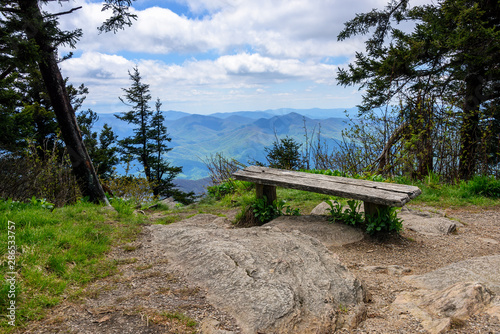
(169, 202)
(391, 269)
(429, 226)
(322, 209)
(488, 241)
(209, 326)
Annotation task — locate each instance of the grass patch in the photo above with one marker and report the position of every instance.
(180, 317)
(480, 191)
(58, 250)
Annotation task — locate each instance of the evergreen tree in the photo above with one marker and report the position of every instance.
(101, 147)
(30, 37)
(284, 154)
(451, 57)
(162, 173)
(149, 143)
(137, 97)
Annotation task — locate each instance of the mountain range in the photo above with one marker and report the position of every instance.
(242, 135)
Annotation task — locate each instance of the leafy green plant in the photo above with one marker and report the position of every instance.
(264, 212)
(483, 186)
(349, 215)
(385, 221)
(218, 191)
(336, 211)
(42, 203)
(291, 211)
(363, 176)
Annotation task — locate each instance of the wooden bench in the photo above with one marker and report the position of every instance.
(375, 195)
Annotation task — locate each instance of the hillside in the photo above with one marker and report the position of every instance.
(239, 135)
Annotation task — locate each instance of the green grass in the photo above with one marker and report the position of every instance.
(480, 191)
(58, 250)
(180, 317)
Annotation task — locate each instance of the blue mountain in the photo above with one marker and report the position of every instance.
(240, 135)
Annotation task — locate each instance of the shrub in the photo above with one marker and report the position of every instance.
(220, 168)
(39, 173)
(284, 154)
(137, 189)
(349, 216)
(218, 191)
(482, 186)
(258, 211)
(385, 221)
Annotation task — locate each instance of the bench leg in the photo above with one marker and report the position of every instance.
(372, 209)
(268, 191)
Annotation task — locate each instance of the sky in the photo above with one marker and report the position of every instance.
(207, 56)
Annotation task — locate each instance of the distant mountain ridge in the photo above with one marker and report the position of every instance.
(242, 135)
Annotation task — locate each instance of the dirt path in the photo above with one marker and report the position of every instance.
(149, 296)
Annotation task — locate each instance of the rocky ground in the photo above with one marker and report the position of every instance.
(152, 294)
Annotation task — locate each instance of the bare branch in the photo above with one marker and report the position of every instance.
(64, 13)
(7, 72)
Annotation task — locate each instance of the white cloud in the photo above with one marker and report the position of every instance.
(286, 28)
(257, 51)
(241, 70)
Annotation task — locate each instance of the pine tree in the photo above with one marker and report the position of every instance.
(30, 37)
(162, 172)
(137, 97)
(148, 145)
(452, 57)
(101, 147)
(284, 154)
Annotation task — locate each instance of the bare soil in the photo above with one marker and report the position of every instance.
(149, 296)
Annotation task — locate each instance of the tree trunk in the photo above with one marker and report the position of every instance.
(82, 165)
(384, 156)
(469, 132)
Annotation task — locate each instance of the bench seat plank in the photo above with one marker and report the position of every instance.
(388, 194)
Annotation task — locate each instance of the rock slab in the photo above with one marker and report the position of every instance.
(268, 279)
(483, 269)
(453, 293)
(330, 234)
(428, 225)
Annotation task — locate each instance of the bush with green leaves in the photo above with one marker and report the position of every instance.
(349, 216)
(218, 191)
(385, 221)
(265, 212)
(483, 186)
(284, 154)
(364, 176)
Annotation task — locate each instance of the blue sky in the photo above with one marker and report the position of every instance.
(207, 56)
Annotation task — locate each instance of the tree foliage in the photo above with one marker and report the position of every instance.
(284, 154)
(450, 59)
(148, 145)
(101, 146)
(29, 38)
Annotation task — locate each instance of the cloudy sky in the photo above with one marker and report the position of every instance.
(206, 56)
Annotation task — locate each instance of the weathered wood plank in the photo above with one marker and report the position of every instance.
(367, 191)
(411, 191)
